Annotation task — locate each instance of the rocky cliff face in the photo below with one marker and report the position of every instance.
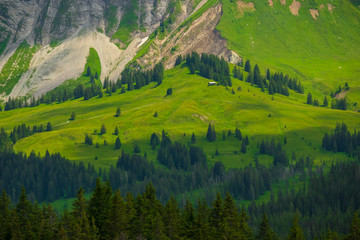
(44, 21)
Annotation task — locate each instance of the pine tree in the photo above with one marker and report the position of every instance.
(172, 221)
(202, 227)
(216, 218)
(48, 127)
(265, 232)
(243, 146)
(325, 102)
(309, 99)
(193, 138)
(117, 143)
(116, 131)
(231, 219)
(296, 233)
(247, 66)
(103, 129)
(88, 71)
(354, 233)
(118, 112)
(115, 226)
(73, 116)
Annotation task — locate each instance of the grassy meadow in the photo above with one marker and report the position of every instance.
(323, 53)
(191, 107)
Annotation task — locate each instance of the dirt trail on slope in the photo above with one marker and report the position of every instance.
(200, 36)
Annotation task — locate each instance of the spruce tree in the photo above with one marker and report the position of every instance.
(243, 146)
(73, 116)
(265, 232)
(48, 127)
(103, 129)
(296, 233)
(325, 102)
(309, 99)
(118, 112)
(247, 66)
(116, 131)
(117, 143)
(193, 138)
(354, 233)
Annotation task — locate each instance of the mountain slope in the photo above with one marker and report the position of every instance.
(191, 107)
(323, 51)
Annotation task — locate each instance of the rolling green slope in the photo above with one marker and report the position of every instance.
(191, 107)
(323, 52)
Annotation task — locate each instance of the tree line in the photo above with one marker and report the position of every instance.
(23, 131)
(109, 215)
(325, 205)
(341, 140)
(209, 66)
(134, 79)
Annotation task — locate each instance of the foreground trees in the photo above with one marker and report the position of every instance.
(107, 215)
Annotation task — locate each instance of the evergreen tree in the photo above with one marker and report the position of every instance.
(103, 129)
(88, 71)
(202, 227)
(73, 116)
(354, 233)
(116, 131)
(247, 66)
(325, 102)
(296, 233)
(118, 112)
(211, 134)
(216, 218)
(265, 232)
(117, 143)
(309, 99)
(243, 146)
(172, 221)
(48, 127)
(193, 138)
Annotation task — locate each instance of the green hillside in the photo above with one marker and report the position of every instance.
(323, 52)
(191, 107)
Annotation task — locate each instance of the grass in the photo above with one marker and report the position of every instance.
(128, 23)
(4, 43)
(323, 53)
(14, 68)
(191, 108)
(110, 17)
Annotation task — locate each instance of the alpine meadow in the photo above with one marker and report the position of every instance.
(180, 119)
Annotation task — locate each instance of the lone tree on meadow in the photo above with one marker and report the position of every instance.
(118, 112)
(73, 116)
(326, 103)
(116, 131)
(103, 129)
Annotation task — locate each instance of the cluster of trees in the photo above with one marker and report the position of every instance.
(109, 215)
(341, 140)
(47, 178)
(276, 83)
(340, 103)
(140, 78)
(209, 66)
(275, 150)
(325, 205)
(23, 131)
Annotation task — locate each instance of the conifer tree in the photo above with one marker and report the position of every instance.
(202, 227)
(296, 233)
(172, 219)
(73, 116)
(265, 232)
(193, 138)
(103, 129)
(117, 143)
(309, 99)
(247, 66)
(354, 233)
(118, 112)
(243, 146)
(325, 102)
(48, 127)
(116, 131)
(216, 218)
